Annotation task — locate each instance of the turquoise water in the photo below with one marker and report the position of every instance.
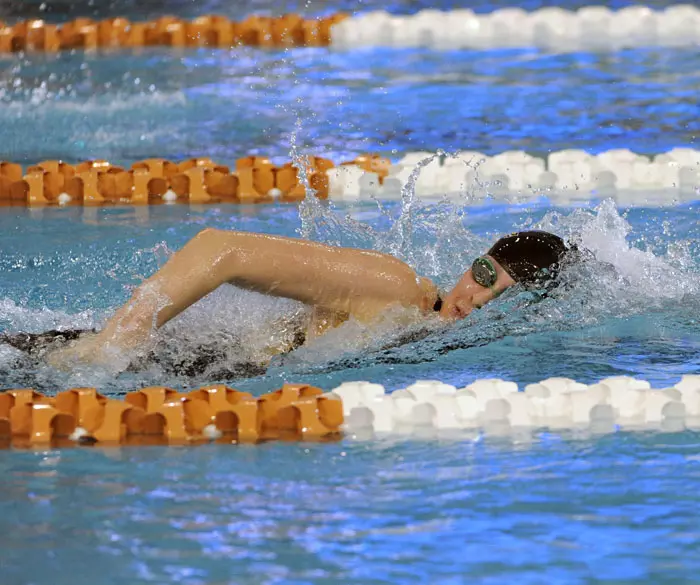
(623, 509)
(124, 107)
(545, 508)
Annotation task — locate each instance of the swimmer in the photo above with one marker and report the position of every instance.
(337, 282)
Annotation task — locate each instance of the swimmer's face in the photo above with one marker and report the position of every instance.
(468, 294)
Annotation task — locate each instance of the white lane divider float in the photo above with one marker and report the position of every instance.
(565, 176)
(593, 28)
(498, 406)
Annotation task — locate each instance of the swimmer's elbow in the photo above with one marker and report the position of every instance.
(216, 242)
(220, 249)
(210, 235)
(230, 239)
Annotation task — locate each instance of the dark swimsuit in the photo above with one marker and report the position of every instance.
(191, 363)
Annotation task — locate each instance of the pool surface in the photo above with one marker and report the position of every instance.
(546, 507)
(618, 510)
(125, 107)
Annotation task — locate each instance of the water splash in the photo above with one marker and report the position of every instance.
(629, 273)
(429, 237)
(310, 208)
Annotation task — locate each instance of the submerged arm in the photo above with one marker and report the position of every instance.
(358, 282)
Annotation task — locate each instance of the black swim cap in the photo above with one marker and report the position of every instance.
(532, 257)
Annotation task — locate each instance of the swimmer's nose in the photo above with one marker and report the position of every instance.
(449, 311)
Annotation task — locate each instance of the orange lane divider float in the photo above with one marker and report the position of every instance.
(163, 416)
(289, 30)
(154, 181)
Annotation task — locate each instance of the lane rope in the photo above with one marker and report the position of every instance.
(212, 31)
(564, 177)
(160, 415)
(590, 28)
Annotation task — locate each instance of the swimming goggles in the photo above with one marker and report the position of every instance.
(484, 272)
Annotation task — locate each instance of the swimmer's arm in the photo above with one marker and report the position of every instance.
(359, 282)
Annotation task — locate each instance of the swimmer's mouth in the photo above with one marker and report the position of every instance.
(456, 313)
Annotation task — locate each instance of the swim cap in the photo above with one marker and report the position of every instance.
(531, 257)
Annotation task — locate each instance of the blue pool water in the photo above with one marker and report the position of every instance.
(125, 107)
(551, 508)
(548, 508)
(619, 510)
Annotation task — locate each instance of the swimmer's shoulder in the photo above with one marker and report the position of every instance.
(422, 293)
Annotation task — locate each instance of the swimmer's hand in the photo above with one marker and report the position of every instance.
(89, 350)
